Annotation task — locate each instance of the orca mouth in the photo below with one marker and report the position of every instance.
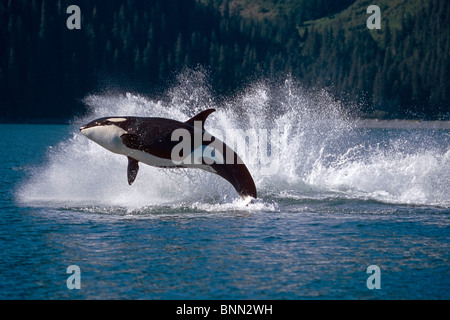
(89, 125)
(83, 130)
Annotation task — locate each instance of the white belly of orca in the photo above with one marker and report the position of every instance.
(147, 158)
(109, 138)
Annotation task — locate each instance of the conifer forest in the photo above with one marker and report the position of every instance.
(399, 71)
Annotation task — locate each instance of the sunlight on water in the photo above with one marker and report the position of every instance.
(296, 143)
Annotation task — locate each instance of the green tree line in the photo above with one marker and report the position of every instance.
(139, 45)
(399, 72)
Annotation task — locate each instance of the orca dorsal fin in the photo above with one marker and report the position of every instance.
(200, 117)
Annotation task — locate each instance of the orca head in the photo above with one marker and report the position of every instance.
(106, 132)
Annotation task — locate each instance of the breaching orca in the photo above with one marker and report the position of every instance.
(156, 142)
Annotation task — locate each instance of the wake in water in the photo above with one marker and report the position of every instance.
(297, 145)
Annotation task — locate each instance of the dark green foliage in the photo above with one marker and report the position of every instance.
(139, 45)
(404, 74)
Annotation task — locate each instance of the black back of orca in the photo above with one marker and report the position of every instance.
(154, 136)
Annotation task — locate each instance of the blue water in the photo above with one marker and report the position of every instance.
(305, 248)
(343, 198)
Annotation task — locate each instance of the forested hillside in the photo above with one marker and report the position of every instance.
(139, 45)
(401, 70)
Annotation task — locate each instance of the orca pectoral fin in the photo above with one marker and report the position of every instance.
(133, 168)
(130, 140)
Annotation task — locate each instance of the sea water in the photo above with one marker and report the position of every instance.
(334, 198)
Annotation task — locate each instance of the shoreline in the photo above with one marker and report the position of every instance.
(359, 123)
(402, 124)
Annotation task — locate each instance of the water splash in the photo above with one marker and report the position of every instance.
(296, 143)
(398, 172)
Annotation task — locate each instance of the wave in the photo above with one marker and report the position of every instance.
(297, 144)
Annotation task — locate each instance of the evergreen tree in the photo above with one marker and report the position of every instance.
(401, 70)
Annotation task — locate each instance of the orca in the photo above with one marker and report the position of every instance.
(151, 140)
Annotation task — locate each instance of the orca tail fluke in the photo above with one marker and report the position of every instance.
(239, 176)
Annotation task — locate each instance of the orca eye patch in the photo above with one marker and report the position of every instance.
(116, 119)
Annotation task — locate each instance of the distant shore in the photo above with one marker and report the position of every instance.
(360, 123)
(402, 124)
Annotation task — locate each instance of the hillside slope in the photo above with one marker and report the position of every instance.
(400, 71)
